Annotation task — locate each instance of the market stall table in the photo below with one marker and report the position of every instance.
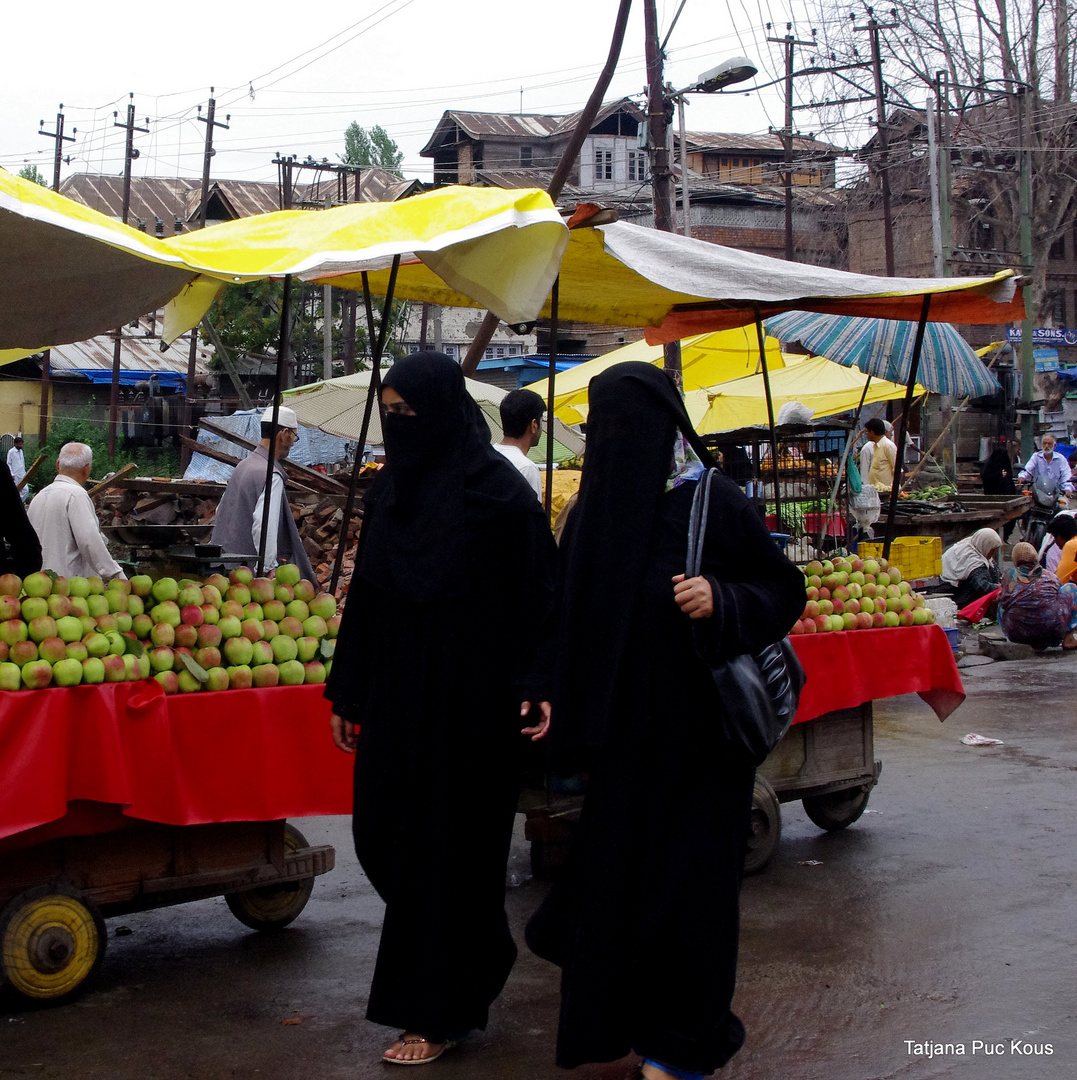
(117, 798)
(827, 758)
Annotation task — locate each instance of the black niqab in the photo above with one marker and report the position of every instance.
(441, 481)
(633, 417)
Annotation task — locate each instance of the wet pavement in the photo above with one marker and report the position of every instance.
(946, 915)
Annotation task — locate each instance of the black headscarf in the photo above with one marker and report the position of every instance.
(634, 413)
(441, 481)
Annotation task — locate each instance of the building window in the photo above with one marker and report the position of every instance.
(488, 355)
(637, 165)
(1054, 307)
(603, 167)
(525, 162)
(500, 352)
(1058, 251)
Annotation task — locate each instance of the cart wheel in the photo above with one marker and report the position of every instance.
(838, 809)
(764, 827)
(273, 906)
(52, 940)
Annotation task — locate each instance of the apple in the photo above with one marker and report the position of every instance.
(288, 573)
(212, 595)
(811, 593)
(261, 590)
(89, 624)
(332, 626)
(13, 630)
(241, 575)
(930, 615)
(821, 622)
(269, 629)
(852, 607)
(892, 592)
(854, 590)
(52, 649)
(274, 609)
(265, 675)
(253, 611)
(314, 626)
(856, 578)
(162, 658)
(895, 574)
(232, 609)
(870, 590)
(261, 653)
(218, 677)
(240, 677)
(291, 626)
(124, 622)
(297, 609)
(190, 595)
(891, 618)
(919, 616)
(177, 662)
(37, 585)
(77, 606)
(59, 606)
(116, 584)
(840, 593)
(42, 628)
(97, 605)
(10, 585)
(881, 603)
(168, 681)
(305, 590)
(314, 672)
(811, 609)
(209, 634)
(824, 593)
(167, 612)
(864, 621)
(218, 582)
(209, 656)
(191, 615)
(826, 607)
(142, 625)
(837, 607)
(165, 588)
(867, 605)
(904, 588)
(116, 600)
(837, 622)
(851, 621)
(96, 644)
(10, 608)
(308, 648)
(186, 682)
(97, 586)
(37, 674)
(284, 648)
(10, 674)
(117, 644)
(187, 635)
(33, 607)
(292, 673)
(814, 581)
(22, 653)
(238, 650)
(67, 672)
(230, 626)
(870, 565)
(239, 593)
(284, 593)
(105, 623)
(815, 567)
(76, 650)
(905, 603)
(252, 629)
(210, 614)
(163, 633)
(141, 585)
(878, 619)
(906, 618)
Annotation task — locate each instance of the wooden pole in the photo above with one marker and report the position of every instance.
(760, 337)
(554, 299)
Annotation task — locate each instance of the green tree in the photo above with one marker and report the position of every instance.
(33, 174)
(371, 148)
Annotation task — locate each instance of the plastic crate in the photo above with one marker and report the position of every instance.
(951, 633)
(781, 539)
(916, 556)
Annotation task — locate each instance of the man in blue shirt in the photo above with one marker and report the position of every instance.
(1049, 465)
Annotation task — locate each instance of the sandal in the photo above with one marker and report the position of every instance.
(414, 1040)
(1070, 640)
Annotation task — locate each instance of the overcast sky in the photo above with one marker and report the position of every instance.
(293, 78)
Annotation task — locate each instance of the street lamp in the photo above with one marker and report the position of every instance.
(734, 70)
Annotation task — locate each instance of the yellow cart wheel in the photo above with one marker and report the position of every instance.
(271, 907)
(51, 941)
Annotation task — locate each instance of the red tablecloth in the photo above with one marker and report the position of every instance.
(848, 668)
(237, 755)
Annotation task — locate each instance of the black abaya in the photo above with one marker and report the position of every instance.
(644, 923)
(435, 654)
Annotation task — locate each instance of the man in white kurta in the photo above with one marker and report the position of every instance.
(65, 521)
(16, 464)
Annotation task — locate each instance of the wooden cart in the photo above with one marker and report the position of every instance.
(55, 895)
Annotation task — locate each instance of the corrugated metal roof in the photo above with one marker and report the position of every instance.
(723, 140)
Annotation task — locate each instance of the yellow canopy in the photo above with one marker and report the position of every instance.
(706, 359)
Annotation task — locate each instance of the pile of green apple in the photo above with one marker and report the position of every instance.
(858, 594)
(232, 632)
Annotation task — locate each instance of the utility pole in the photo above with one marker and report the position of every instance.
(46, 365)
(873, 27)
(658, 144)
(790, 42)
(1028, 359)
(946, 176)
(192, 354)
(130, 153)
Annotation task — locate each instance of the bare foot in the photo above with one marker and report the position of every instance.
(411, 1048)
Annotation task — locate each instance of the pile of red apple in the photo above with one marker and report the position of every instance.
(858, 594)
(225, 633)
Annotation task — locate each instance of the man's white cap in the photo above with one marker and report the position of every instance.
(285, 417)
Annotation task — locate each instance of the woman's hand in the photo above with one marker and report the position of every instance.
(343, 734)
(694, 596)
(543, 726)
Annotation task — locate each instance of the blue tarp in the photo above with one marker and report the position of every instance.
(167, 380)
(314, 447)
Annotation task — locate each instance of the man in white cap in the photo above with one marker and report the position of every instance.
(238, 526)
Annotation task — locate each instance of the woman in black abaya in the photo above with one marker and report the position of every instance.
(644, 922)
(437, 659)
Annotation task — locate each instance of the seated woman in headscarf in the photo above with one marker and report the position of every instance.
(1035, 608)
(1063, 530)
(970, 566)
(644, 920)
(439, 656)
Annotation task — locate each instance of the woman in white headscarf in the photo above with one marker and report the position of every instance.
(970, 566)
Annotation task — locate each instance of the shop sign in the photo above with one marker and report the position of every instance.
(1045, 335)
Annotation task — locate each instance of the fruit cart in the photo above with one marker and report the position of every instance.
(117, 798)
(827, 758)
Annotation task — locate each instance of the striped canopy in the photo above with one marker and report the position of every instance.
(883, 348)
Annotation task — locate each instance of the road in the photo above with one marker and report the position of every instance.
(946, 915)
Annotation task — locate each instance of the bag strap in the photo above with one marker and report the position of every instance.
(697, 524)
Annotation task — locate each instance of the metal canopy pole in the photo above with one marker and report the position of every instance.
(554, 297)
(283, 347)
(910, 390)
(841, 469)
(372, 393)
(770, 420)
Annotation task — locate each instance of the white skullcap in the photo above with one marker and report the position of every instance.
(285, 417)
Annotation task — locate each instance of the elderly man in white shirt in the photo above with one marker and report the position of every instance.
(65, 521)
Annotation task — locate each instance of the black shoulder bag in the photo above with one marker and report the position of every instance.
(758, 692)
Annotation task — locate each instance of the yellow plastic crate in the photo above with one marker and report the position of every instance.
(916, 556)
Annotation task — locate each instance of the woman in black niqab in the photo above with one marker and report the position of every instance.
(441, 643)
(644, 922)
